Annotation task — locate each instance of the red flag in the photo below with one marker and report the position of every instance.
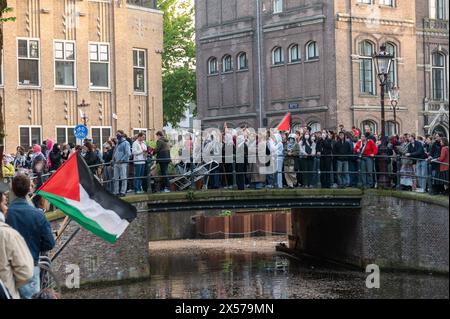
(285, 124)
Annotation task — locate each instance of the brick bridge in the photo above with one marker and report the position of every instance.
(395, 230)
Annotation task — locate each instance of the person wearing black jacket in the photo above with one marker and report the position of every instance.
(324, 149)
(416, 151)
(435, 153)
(91, 157)
(241, 161)
(56, 157)
(342, 150)
(108, 151)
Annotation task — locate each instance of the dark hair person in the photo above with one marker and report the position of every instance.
(31, 223)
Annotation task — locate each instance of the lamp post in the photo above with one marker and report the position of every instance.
(394, 96)
(383, 63)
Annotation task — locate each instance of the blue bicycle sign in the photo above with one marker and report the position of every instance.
(81, 132)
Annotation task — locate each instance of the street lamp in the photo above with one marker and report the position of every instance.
(383, 63)
(394, 96)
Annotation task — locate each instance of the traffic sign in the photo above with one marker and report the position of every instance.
(81, 132)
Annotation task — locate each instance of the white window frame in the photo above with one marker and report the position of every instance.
(99, 88)
(240, 66)
(101, 133)
(281, 62)
(139, 67)
(277, 6)
(388, 3)
(21, 58)
(139, 130)
(59, 86)
(230, 58)
(365, 2)
(216, 66)
(364, 123)
(317, 56)
(29, 127)
(362, 59)
(67, 128)
(315, 126)
(445, 74)
(394, 67)
(299, 55)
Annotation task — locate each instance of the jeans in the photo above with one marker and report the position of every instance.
(270, 180)
(164, 169)
(33, 286)
(120, 172)
(107, 178)
(422, 173)
(367, 172)
(353, 167)
(280, 161)
(343, 178)
(138, 173)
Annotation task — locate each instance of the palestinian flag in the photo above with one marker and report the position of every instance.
(74, 190)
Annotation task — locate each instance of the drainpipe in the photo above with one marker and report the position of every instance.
(259, 42)
(351, 64)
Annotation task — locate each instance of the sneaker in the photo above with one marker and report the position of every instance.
(122, 195)
(420, 190)
(166, 191)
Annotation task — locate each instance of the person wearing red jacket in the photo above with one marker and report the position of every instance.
(366, 149)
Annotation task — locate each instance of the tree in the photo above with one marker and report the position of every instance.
(179, 80)
(4, 9)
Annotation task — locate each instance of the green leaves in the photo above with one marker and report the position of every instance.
(179, 81)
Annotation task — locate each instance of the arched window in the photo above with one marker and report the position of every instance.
(366, 74)
(392, 128)
(312, 51)
(369, 124)
(227, 64)
(242, 61)
(294, 53)
(439, 79)
(212, 66)
(391, 48)
(315, 127)
(296, 127)
(277, 56)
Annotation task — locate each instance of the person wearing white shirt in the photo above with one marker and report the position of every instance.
(139, 156)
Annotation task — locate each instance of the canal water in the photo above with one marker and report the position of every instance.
(251, 268)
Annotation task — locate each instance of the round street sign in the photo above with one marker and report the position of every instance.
(81, 132)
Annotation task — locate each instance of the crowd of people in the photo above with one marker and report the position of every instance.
(25, 234)
(326, 159)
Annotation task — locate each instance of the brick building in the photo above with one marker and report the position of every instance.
(259, 59)
(59, 53)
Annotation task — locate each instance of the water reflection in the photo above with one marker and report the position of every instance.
(227, 274)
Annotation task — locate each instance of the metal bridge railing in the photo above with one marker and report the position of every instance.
(228, 174)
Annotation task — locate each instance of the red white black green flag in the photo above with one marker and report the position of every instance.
(74, 190)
